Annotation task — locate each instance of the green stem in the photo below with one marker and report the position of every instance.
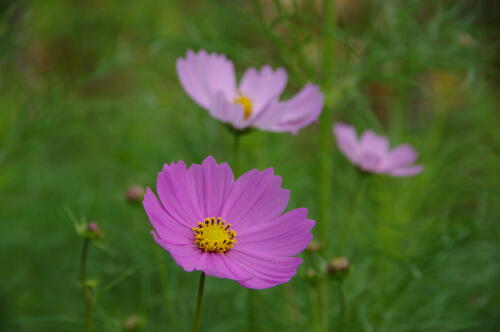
(277, 5)
(326, 140)
(87, 296)
(236, 153)
(322, 290)
(258, 9)
(250, 311)
(293, 311)
(250, 294)
(326, 150)
(343, 302)
(199, 302)
(315, 309)
(162, 269)
(357, 195)
(328, 39)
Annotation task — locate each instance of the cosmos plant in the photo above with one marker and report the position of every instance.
(371, 152)
(226, 228)
(210, 80)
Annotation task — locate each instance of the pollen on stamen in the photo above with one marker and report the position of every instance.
(247, 105)
(214, 235)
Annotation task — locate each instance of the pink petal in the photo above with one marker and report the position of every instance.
(167, 228)
(403, 154)
(286, 235)
(294, 114)
(264, 271)
(369, 161)
(255, 197)
(223, 110)
(220, 266)
(203, 74)
(212, 183)
(268, 116)
(186, 256)
(374, 144)
(372, 152)
(406, 171)
(263, 86)
(191, 258)
(177, 192)
(346, 140)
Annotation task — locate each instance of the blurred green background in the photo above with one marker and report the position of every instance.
(90, 104)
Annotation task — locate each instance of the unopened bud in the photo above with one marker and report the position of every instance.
(89, 230)
(93, 230)
(311, 275)
(133, 323)
(314, 246)
(90, 284)
(135, 194)
(338, 267)
(466, 40)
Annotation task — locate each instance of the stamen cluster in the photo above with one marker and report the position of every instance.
(214, 235)
(247, 105)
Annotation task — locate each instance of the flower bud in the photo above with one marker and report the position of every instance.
(314, 246)
(93, 230)
(90, 283)
(311, 275)
(338, 267)
(135, 194)
(466, 40)
(89, 230)
(133, 322)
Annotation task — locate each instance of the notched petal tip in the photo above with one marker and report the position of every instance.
(269, 170)
(149, 195)
(209, 160)
(149, 191)
(173, 165)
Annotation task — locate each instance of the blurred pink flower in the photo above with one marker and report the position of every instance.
(228, 229)
(371, 152)
(209, 79)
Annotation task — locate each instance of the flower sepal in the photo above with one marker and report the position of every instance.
(91, 230)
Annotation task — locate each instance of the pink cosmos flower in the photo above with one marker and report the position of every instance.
(209, 79)
(371, 152)
(228, 229)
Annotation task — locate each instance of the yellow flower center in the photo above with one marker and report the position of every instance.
(247, 105)
(214, 235)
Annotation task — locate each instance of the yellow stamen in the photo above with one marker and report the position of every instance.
(247, 105)
(214, 235)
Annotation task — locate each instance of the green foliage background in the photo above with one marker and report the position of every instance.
(90, 104)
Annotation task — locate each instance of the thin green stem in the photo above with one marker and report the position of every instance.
(277, 5)
(236, 153)
(357, 194)
(250, 310)
(86, 291)
(250, 295)
(315, 310)
(326, 148)
(326, 140)
(199, 302)
(293, 311)
(162, 269)
(343, 302)
(322, 290)
(258, 9)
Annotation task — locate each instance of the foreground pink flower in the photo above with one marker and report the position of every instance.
(371, 152)
(225, 228)
(209, 79)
